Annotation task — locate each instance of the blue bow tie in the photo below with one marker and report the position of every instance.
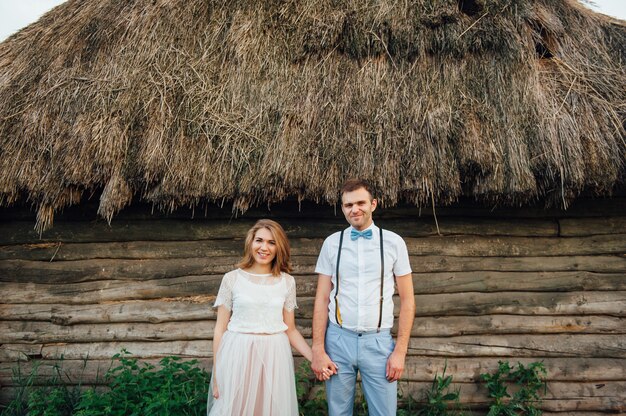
(354, 234)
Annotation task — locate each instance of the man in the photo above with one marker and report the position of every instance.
(353, 312)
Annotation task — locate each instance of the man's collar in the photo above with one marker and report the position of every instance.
(372, 227)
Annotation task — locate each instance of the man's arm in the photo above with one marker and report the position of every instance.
(395, 363)
(321, 361)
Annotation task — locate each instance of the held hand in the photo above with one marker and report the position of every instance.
(395, 366)
(322, 365)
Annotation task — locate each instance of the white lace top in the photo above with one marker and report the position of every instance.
(257, 301)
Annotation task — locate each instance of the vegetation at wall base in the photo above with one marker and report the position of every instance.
(528, 383)
(176, 387)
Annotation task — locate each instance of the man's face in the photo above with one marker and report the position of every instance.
(357, 206)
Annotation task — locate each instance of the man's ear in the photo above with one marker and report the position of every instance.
(374, 204)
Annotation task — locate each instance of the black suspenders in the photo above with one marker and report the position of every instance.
(382, 281)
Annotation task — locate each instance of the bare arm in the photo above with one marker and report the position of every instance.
(223, 317)
(321, 361)
(395, 363)
(295, 337)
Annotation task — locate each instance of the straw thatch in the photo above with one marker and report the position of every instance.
(184, 101)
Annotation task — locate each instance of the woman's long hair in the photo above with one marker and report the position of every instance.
(281, 262)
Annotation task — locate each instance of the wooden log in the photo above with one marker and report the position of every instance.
(490, 281)
(607, 396)
(134, 250)
(504, 246)
(453, 245)
(201, 349)
(463, 370)
(107, 291)
(44, 332)
(443, 326)
(469, 369)
(601, 264)
(449, 326)
(199, 308)
(515, 303)
(103, 269)
(522, 303)
(519, 346)
(192, 308)
(19, 352)
(22, 232)
(573, 227)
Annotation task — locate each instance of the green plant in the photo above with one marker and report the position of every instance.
(175, 387)
(439, 399)
(310, 392)
(528, 383)
(54, 398)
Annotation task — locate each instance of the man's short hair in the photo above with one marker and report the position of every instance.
(354, 184)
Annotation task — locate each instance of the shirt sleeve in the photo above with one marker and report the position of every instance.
(225, 294)
(402, 265)
(290, 299)
(324, 265)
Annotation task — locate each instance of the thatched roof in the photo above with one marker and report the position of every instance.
(183, 101)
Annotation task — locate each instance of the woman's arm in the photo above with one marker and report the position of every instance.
(295, 337)
(223, 317)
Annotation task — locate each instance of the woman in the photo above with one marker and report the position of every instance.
(253, 370)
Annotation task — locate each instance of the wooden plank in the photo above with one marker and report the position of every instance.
(607, 396)
(601, 264)
(515, 303)
(106, 291)
(519, 346)
(201, 349)
(103, 269)
(469, 369)
(443, 326)
(493, 281)
(522, 303)
(199, 308)
(89, 372)
(22, 232)
(191, 308)
(573, 227)
(19, 352)
(503, 246)
(463, 370)
(119, 290)
(44, 332)
(454, 245)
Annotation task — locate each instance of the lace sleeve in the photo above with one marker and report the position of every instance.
(225, 294)
(290, 299)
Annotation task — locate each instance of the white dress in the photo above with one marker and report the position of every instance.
(253, 368)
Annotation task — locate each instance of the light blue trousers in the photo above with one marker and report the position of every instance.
(366, 353)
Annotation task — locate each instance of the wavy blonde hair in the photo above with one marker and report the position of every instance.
(281, 262)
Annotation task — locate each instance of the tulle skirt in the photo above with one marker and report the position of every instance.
(254, 376)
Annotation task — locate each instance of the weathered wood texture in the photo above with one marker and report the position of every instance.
(517, 285)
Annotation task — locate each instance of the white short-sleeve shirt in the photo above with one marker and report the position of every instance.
(359, 277)
(256, 301)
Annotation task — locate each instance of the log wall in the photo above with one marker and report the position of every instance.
(519, 285)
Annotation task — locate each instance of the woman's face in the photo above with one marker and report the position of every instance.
(263, 247)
